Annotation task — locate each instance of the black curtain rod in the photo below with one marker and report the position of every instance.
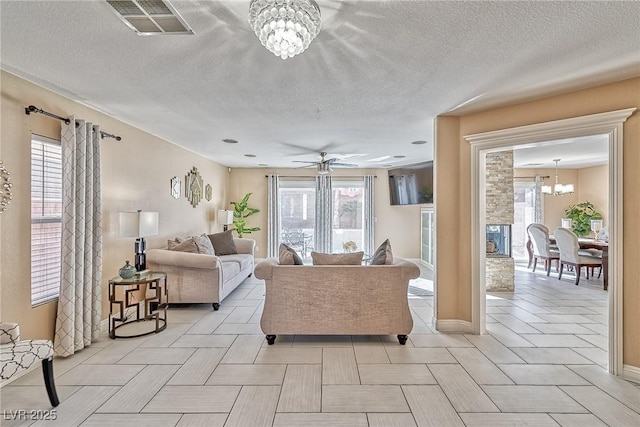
(33, 109)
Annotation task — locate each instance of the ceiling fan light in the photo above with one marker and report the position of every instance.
(324, 168)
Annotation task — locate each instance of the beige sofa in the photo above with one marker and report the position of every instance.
(336, 299)
(200, 278)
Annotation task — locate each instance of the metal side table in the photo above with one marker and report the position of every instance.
(143, 298)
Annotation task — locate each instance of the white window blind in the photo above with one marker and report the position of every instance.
(46, 218)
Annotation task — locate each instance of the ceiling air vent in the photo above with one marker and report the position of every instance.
(150, 17)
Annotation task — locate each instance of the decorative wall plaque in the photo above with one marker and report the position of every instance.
(175, 187)
(5, 188)
(193, 187)
(208, 192)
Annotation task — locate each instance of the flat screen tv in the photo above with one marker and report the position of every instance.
(411, 185)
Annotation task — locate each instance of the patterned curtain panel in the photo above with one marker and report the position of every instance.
(273, 216)
(538, 201)
(324, 214)
(79, 304)
(369, 181)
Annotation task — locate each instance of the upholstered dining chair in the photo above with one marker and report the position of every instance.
(539, 235)
(569, 253)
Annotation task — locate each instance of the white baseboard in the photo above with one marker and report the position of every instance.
(454, 326)
(631, 373)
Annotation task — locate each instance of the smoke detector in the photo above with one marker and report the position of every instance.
(150, 17)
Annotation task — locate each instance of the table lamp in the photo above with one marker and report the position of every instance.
(139, 224)
(225, 218)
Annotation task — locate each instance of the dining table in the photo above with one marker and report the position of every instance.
(585, 243)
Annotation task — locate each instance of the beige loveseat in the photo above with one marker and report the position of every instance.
(336, 299)
(201, 278)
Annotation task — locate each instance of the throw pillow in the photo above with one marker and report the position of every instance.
(352, 258)
(186, 245)
(204, 244)
(223, 243)
(382, 255)
(288, 256)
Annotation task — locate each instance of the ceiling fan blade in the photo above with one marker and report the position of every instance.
(344, 165)
(304, 161)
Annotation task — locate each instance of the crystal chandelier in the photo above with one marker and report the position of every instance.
(558, 189)
(285, 27)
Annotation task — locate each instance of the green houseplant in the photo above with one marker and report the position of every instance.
(241, 211)
(582, 214)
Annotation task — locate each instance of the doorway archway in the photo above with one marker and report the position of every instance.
(609, 123)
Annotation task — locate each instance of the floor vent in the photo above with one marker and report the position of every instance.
(150, 17)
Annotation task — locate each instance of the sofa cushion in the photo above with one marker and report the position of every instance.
(186, 245)
(382, 255)
(243, 260)
(223, 243)
(204, 244)
(288, 256)
(229, 269)
(352, 258)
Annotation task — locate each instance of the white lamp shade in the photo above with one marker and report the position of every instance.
(138, 224)
(225, 217)
(568, 188)
(545, 189)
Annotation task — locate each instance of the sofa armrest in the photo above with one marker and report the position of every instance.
(182, 259)
(245, 246)
(409, 269)
(264, 270)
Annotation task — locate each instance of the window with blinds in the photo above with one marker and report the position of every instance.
(46, 218)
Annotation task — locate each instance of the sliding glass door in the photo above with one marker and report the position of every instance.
(524, 213)
(325, 215)
(297, 205)
(347, 222)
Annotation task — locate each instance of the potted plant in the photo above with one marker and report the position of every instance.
(241, 211)
(582, 214)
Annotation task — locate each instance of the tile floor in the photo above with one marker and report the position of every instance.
(542, 363)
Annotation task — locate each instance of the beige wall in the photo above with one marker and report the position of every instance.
(590, 184)
(594, 186)
(401, 224)
(135, 175)
(452, 150)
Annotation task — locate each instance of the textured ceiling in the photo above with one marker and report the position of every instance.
(370, 84)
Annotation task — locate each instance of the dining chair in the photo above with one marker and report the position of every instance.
(569, 253)
(539, 235)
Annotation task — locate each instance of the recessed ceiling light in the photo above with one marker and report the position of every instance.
(230, 141)
(249, 155)
(419, 142)
(399, 157)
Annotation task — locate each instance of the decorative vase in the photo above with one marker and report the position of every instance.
(128, 271)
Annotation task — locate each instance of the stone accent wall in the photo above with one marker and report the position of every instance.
(500, 272)
(499, 177)
(500, 188)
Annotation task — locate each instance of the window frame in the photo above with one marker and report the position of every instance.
(45, 209)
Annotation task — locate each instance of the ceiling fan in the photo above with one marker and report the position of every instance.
(325, 166)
